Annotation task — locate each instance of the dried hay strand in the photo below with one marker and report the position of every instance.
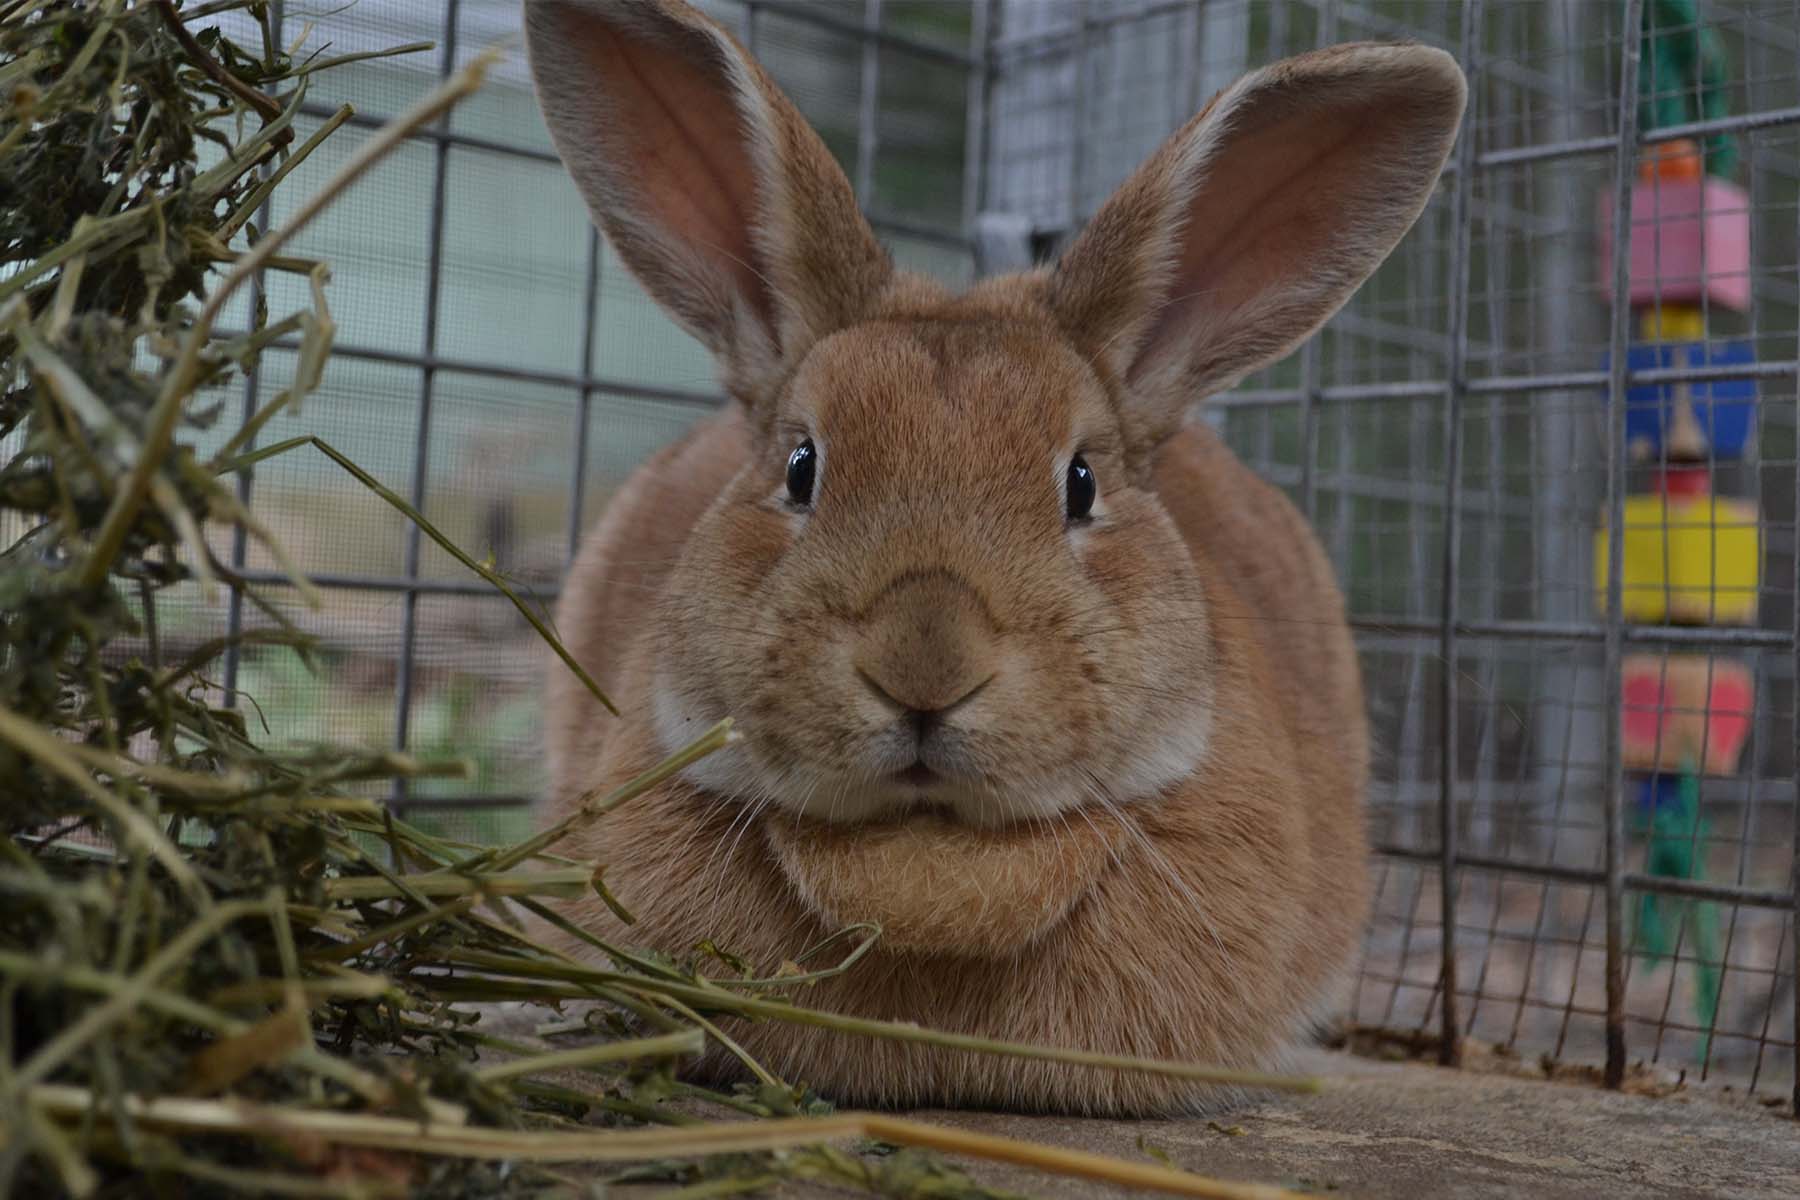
(222, 966)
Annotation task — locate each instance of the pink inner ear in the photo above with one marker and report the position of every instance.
(1262, 220)
(686, 149)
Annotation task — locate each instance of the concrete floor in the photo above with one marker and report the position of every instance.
(1409, 1131)
(1406, 1130)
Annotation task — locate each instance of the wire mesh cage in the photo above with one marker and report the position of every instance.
(1460, 436)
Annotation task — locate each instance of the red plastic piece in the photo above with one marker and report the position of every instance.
(1683, 481)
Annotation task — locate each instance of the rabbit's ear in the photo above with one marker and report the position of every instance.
(1255, 222)
(710, 185)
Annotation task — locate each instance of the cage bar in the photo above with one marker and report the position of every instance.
(409, 620)
(1450, 1041)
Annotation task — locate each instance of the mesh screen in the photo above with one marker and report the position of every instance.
(497, 365)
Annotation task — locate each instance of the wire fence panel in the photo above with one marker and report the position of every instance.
(1459, 435)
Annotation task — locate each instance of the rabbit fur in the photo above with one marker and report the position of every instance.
(1099, 780)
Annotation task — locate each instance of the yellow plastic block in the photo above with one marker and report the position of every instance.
(1672, 323)
(1697, 561)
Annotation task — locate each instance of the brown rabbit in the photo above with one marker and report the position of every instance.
(1029, 671)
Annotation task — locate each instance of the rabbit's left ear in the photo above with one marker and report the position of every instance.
(711, 186)
(1255, 222)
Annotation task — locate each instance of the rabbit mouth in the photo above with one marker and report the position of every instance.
(918, 775)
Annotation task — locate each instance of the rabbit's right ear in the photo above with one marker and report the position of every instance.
(711, 186)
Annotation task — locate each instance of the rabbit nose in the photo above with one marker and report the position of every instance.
(927, 647)
(922, 720)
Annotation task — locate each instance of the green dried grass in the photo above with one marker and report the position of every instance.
(207, 977)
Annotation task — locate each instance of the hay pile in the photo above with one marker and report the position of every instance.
(222, 970)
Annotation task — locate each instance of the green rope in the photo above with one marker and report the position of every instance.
(1684, 77)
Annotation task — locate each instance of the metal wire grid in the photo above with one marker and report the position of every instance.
(1454, 435)
(417, 370)
(1438, 434)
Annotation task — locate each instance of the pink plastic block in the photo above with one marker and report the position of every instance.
(1684, 713)
(1689, 238)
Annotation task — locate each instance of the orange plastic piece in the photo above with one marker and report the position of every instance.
(1679, 159)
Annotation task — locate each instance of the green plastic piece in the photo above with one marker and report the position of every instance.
(1675, 831)
(1683, 77)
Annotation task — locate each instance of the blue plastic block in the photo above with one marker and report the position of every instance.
(1724, 409)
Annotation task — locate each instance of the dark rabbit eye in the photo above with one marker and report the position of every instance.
(1081, 489)
(802, 464)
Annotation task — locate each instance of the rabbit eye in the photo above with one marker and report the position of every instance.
(1080, 489)
(802, 465)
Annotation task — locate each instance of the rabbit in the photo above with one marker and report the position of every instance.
(1030, 670)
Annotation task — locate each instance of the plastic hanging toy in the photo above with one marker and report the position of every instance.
(1689, 556)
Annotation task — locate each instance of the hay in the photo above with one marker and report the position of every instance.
(222, 968)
